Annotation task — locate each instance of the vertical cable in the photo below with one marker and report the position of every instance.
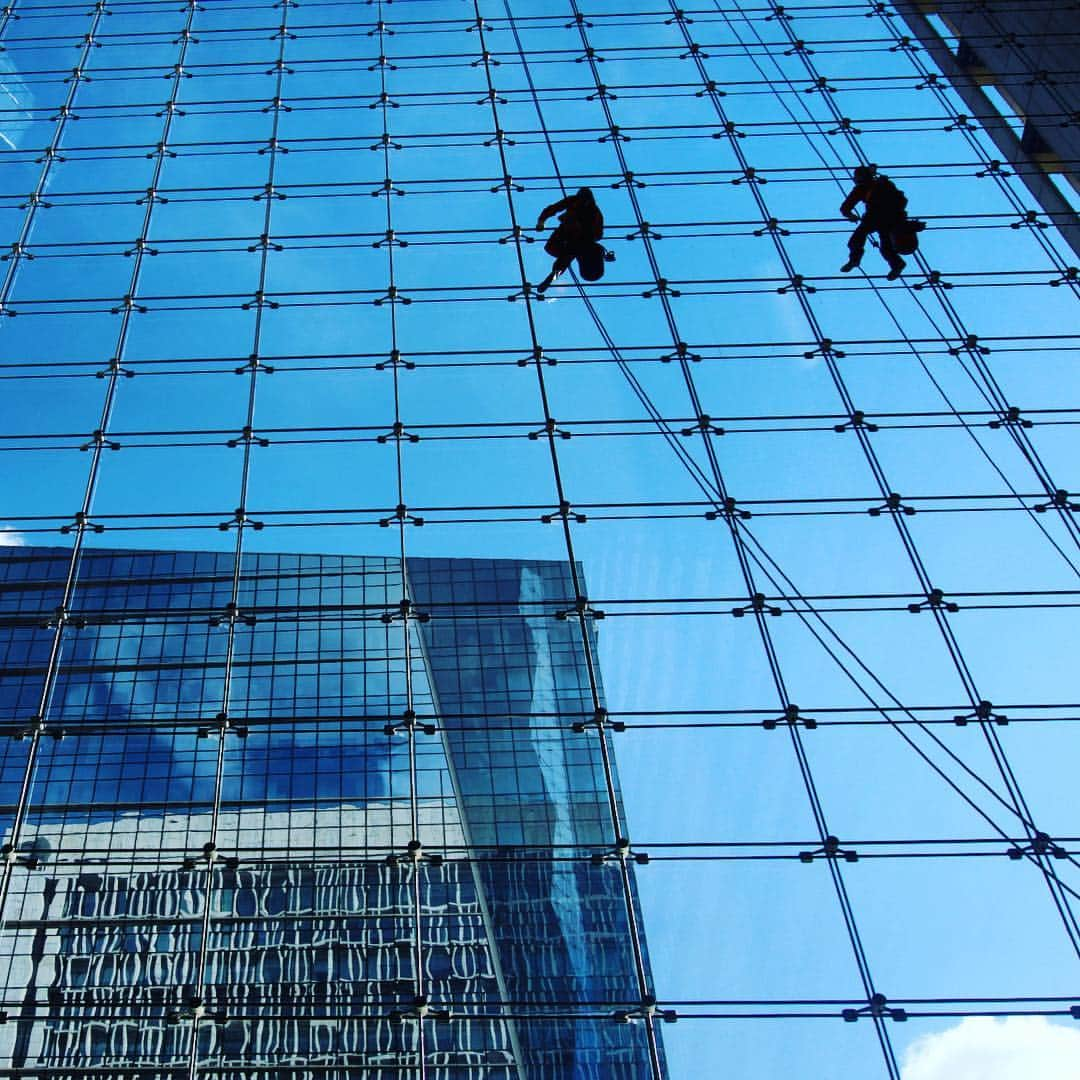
(194, 1010)
(412, 863)
(582, 611)
(81, 521)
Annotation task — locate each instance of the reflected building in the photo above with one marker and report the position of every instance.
(1012, 67)
(390, 858)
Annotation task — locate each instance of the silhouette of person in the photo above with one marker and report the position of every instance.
(580, 226)
(886, 207)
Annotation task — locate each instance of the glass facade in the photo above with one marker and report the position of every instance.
(302, 836)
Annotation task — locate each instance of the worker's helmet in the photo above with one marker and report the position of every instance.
(863, 173)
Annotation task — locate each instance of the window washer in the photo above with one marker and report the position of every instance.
(886, 212)
(575, 237)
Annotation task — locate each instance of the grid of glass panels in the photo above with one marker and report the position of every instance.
(269, 283)
(186, 894)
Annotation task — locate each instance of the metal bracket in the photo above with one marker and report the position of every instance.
(232, 613)
(590, 54)
(517, 233)
(507, 184)
(384, 142)
(266, 244)
(662, 288)
(408, 725)
(1029, 217)
(268, 192)
(221, 726)
(37, 726)
(758, 605)
(647, 1011)
(602, 94)
(970, 344)
(82, 522)
(857, 419)
(629, 180)
(239, 518)
(772, 226)
(825, 348)
(565, 512)
(645, 232)
(830, 849)
(259, 300)
(141, 247)
(395, 361)
(415, 854)
(581, 608)
(934, 280)
(405, 611)
(393, 296)
(1060, 500)
(994, 168)
(114, 368)
(421, 1009)
(681, 352)
(599, 721)
(18, 251)
(397, 432)
(273, 146)
(254, 364)
(390, 238)
(1010, 418)
(983, 711)
(621, 852)
(845, 124)
(750, 176)
(935, 599)
(893, 505)
(128, 304)
(704, 426)
(876, 1008)
(792, 718)
(728, 510)
(1040, 844)
(537, 355)
(401, 516)
(247, 436)
(550, 427)
(209, 856)
(98, 439)
(798, 284)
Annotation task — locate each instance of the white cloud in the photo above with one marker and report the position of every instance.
(10, 538)
(986, 1048)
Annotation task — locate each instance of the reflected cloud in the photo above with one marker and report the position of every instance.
(985, 1048)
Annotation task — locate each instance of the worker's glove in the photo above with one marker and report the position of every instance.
(854, 217)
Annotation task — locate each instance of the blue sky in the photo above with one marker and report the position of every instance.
(933, 927)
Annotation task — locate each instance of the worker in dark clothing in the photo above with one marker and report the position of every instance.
(580, 226)
(886, 207)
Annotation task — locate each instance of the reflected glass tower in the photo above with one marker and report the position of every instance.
(327, 829)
